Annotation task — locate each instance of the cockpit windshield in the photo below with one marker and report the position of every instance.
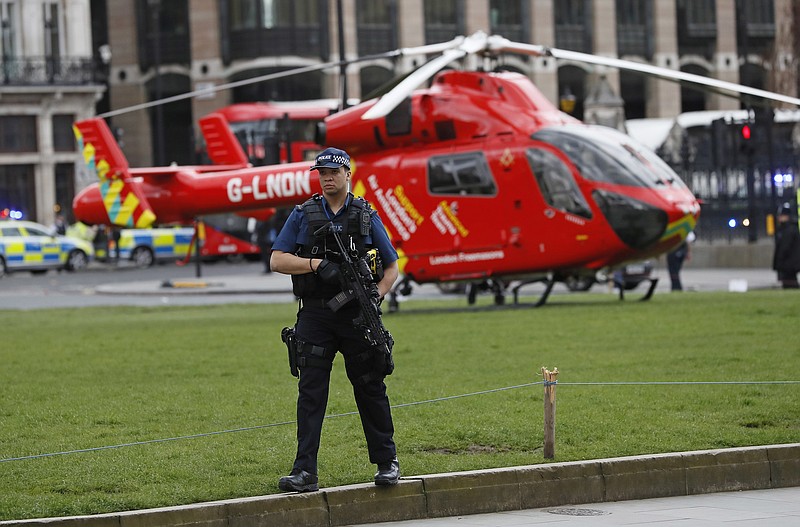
(606, 155)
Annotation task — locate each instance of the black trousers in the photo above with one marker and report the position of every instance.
(674, 264)
(335, 331)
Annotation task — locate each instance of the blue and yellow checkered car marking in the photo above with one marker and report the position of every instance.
(24, 249)
(165, 243)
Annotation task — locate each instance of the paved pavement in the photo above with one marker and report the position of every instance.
(278, 285)
(762, 508)
(246, 284)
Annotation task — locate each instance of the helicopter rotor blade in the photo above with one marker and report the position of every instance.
(479, 42)
(465, 46)
(726, 88)
(731, 89)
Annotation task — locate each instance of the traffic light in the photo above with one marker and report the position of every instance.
(746, 144)
(746, 132)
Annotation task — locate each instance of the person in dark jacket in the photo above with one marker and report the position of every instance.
(303, 250)
(786, 259)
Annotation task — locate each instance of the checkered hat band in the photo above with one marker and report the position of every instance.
(333, 159)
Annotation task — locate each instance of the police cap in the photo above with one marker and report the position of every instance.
(332, 158)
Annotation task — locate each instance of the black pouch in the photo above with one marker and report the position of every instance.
(288, 338)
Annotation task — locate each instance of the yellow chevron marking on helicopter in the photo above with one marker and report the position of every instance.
(102, 169)
(359, 188)
(681, 228)
(123, 206)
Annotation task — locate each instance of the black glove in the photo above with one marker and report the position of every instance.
(328, 272)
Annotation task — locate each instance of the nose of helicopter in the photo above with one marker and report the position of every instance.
(644, 226)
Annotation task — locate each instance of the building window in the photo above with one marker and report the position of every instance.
(697, 18)
(697, 27)
(510, 18)
(18, 133)
(444, 20)
(634, 28)
(461, 174)
(63, 137)
(373, 78)
(52, 30)
(759, 17)
(18, 189)
(9, 25)
(65, 189)
(256, 28)
(376, 26)
(163, 32)
(574, 25)
(302, 87)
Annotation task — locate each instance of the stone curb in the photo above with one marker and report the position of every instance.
(480, 491)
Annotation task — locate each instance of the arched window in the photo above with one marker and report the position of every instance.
(303, 87)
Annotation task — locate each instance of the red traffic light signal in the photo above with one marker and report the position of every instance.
(746, 132)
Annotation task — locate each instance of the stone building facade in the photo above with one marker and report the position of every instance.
(48, 79)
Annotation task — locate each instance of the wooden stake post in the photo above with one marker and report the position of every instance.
(550, 380)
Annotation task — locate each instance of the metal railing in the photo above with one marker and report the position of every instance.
(36, 71)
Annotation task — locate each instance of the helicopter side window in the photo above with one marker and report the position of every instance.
(461, 174)
(556, 183)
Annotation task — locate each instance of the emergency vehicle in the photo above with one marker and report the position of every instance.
(29, 246)
(145, 247)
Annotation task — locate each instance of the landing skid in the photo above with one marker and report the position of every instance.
(549, 282)
(498, 288)
(647, 295)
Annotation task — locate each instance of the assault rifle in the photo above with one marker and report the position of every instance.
(357, 283)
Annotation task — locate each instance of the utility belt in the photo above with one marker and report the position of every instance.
(316, 302)
(334, 304)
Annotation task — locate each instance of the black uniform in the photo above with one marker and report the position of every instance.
(321, 332)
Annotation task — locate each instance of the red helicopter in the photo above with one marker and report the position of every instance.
(478, 178)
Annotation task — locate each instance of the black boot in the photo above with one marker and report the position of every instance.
(388, 473)
(299, 481)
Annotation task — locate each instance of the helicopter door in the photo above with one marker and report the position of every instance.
(558, 187)
(462, 187)
(566, 214)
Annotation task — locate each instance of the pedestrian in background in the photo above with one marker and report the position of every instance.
(60, 225)
(675, 260)
(786, 259)
(264, 236)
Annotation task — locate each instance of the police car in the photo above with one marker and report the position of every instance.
(144, 247)
(29, 246)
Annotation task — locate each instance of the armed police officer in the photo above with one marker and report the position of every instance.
(307, 248)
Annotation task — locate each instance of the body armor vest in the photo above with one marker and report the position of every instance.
(355, 225)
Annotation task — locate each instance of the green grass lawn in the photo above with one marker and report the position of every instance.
(75, 379)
